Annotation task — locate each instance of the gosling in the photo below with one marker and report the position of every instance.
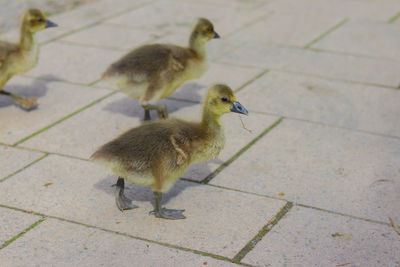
(153, 72)
(157, 153)
(23, 56)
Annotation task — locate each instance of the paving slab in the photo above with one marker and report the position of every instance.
(233, 76)
(330, 65)
(234, 3)
(13, 222)
(175, 16)
(292, 28)
(68, 244)
(83, 133)
(74, 63)
(336, 103)
(365, 37)
(85, 15)
(13, 159)
(353, 9)
(82, 191)
(336, 169)
(308, 237)
(111, 36)
(56, 100)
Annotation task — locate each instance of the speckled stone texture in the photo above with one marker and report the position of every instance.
(310, 237)
(70, 244)
(13, 222)
(210, 211)
(309, 178)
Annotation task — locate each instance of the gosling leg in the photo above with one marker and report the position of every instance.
(22, 101)
(146, 115)
(160, 212)
(123, 203)
(162, 111)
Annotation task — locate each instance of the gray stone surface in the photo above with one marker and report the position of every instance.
(13, 222)
(175, 16)
(233, 76)
(83, 192)
(13, 159)
(363, 37)
(337, 66)
(55, 99)
(336, 150)
(320, 166)
(87, 15)
(69, 244)
(111, 36)
(374, 10)
(297, 29)
(307, 237)
(331, 102)
(74, 63)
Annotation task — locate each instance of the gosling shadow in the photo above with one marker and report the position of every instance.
(140, 193)
(131, 108)
(190, 91)
(38, 88)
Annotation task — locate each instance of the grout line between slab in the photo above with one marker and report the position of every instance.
(64, 118)
(287, 200)
(248, 24)
(258, 76)
(337, 26)
(198, 252)
(336, 79)
(23, 168)
(343, 214)
(253, 242)
(22, 233)
(326, 124)
(240, 152)
(394, 18)
(105, 18)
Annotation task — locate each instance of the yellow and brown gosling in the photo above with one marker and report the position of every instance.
(21, 57)
(152, 72)
(157, 153)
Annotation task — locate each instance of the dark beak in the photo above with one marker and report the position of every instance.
(216, 35)
(50, 24)
(238, 108)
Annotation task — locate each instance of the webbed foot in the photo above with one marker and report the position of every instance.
(170, 214)
(164, 213)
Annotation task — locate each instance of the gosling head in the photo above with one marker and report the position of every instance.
(35, 20)
(203, 30)
(221, 99)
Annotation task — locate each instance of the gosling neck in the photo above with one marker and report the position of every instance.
(26, 38)
(197, 44)
(210, 120)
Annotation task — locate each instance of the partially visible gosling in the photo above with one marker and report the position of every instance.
(23, 56)
(152, 72)
(157, 153)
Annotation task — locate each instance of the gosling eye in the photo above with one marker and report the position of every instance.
(224, 99)
(40, 20)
